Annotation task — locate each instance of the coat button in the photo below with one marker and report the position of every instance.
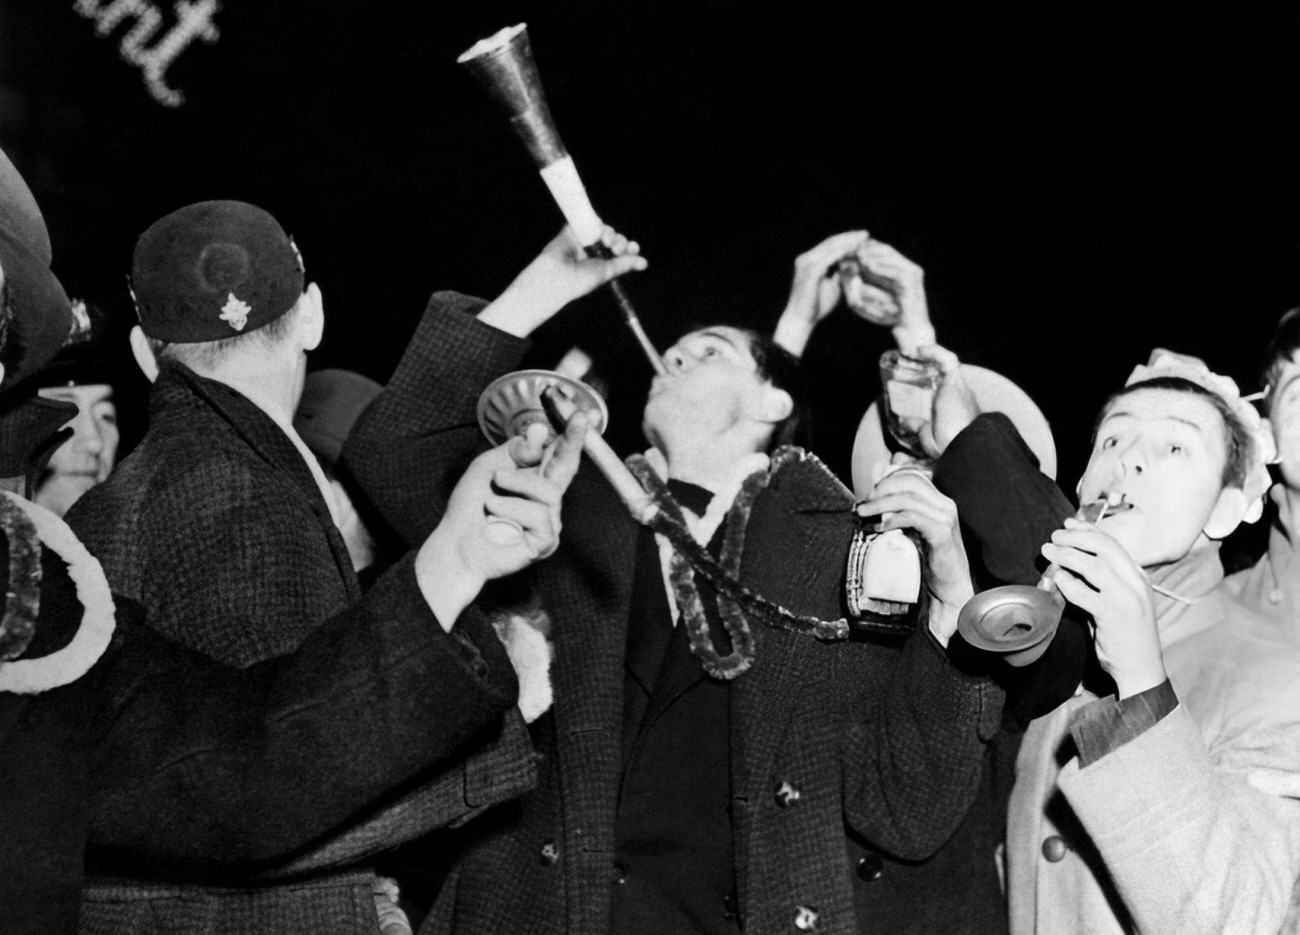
(550, 853)
(870, 868)
(786, 794)
(805, 918)
(1055, 848)
(619, 874)
(730, 906)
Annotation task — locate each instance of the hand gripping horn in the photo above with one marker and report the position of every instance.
(1018, 621)
(503, 64)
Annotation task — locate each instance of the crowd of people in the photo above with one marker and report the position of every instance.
(316, 656)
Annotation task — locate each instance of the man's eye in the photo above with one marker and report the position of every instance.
(709, 352)
(1175, 448)
(1110, 442)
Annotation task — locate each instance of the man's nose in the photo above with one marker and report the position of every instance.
(1131, 459)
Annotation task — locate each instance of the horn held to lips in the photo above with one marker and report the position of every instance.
(1018, 621)
(503, 64)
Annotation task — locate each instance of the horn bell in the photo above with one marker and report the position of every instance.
(503, 64)
(1016, 621)
(513, 402)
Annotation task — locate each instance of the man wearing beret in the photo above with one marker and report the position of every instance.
(160, 756)
(221, 525)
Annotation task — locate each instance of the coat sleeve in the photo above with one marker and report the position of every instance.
(412, 443)
(911, 728)
(1192, 846)
(1008, 509)
(912, 765)
(203, 763)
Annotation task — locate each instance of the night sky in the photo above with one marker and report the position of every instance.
(1078, 186)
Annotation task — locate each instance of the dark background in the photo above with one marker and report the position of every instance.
(1079, 186)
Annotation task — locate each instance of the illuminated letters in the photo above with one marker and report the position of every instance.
(193, 21)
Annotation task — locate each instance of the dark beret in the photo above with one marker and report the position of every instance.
(213, 270)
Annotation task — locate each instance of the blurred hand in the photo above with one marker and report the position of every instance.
(561, 273)
(1099, 577)
(503, 515)
(906, 498)
(815, 290)
(907, 288)
(955, 406)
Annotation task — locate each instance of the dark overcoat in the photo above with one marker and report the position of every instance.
(882, 741)
(215, 526)
(167, 757)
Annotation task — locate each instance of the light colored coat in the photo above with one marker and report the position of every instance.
(1167, 833)
(1272, 586)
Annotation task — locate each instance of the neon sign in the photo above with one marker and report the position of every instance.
(193, 21)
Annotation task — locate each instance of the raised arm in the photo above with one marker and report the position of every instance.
(413, 441)
(204, 763)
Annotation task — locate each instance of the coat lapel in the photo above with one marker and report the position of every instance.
(587, 588)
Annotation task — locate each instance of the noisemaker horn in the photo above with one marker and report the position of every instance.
(1018, 621)
(503, 64)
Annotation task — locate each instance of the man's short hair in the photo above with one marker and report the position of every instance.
(780, 368)
(1281, 350)
(1237, 436)
(206, 355)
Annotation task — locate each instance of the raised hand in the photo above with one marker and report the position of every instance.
(906, 498)
(815, 290)
(1099, 577)
(955, 406)
(561, 273)
(503, 515)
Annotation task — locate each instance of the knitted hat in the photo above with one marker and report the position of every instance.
(213, 270)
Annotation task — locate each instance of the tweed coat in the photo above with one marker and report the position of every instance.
(216, 527)
(163, 755)
(883, 740)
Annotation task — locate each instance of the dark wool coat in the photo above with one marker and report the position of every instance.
(166, 757)
(883, 741)
(216, 527)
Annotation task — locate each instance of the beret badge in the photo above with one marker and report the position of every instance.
(235, 312)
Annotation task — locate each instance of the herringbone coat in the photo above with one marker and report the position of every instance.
(887, 742)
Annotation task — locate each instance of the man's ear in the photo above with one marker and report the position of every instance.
(143, 354)
(773, 405)
(311, 315)
(1228, 512)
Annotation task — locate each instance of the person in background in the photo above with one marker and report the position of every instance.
(1272, 585)
(80, 374)
(332, 400)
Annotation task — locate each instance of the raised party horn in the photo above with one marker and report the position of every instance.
(503, 64)
(1018, 621)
